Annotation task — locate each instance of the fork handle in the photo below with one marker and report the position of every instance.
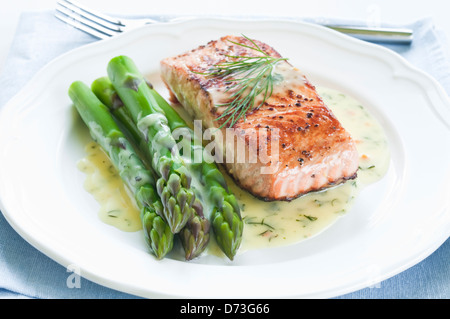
(371, 34)
(381, 35)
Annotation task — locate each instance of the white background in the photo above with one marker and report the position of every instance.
(391, 11)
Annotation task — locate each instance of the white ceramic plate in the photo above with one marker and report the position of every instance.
(394, 224)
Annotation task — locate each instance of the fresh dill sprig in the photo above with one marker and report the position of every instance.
(248, 77)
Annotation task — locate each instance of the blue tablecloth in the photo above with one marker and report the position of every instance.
(27, 273)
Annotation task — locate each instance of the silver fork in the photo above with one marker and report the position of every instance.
(93, 22)
(103, 26)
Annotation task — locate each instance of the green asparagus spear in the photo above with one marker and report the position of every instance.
(196, 233)
(139, 180)
(174, 181)
(225, 215)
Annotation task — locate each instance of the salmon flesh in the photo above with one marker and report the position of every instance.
(290, 145)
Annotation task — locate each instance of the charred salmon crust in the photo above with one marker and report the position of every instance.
(300, 145)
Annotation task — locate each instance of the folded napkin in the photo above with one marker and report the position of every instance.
(27, 273)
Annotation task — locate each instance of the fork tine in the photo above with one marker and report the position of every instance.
(67, 5)
(80, 26)
(95, 13)
(81, 23)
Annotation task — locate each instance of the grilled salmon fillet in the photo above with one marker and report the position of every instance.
(299, 144)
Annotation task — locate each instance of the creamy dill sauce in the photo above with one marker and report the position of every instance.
(266, 224)
(117, 207)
